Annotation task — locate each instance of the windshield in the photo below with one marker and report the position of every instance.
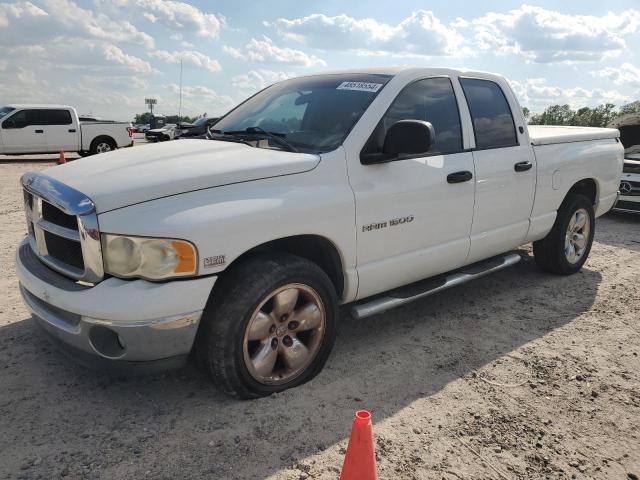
(200, 121)
(5, 110)
(313, 114)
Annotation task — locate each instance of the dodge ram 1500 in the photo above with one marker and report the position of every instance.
(371, 188)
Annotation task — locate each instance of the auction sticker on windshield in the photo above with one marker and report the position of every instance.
(360, 86)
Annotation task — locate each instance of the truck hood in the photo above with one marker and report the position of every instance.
(133, 175)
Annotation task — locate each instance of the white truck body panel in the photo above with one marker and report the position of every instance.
(47, 137)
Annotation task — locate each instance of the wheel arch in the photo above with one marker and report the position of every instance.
(587, 187)
(315, 248)
(99, 138)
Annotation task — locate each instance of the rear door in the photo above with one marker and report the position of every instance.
(61, 129)
(505, 170)
(23, 133)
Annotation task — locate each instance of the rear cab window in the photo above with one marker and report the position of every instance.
(491, 115)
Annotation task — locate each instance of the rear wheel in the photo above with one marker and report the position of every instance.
(269, 326)
(102, 145)
(566, 248)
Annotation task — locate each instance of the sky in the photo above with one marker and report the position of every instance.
(106, 56)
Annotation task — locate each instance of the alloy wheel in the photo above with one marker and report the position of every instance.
(284, 334)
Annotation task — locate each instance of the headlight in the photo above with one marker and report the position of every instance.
(149, 258)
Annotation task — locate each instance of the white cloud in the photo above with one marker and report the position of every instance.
(197, 98)
(255, 80)
(24, 23)
(10, 12)
(103, 101)
(189, 57)
(537, 94)
(548, 36)
(116, 55)
(3, 65)
(266, 51)
(421, 33)
(178, 16)
(72, 53)
(625, 74)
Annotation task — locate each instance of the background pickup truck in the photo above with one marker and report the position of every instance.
(368, 188)
(27, 129)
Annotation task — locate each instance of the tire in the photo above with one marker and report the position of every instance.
(102, 145)
(243, 304)
(561, 252)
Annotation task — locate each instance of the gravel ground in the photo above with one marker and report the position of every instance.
(518, 375)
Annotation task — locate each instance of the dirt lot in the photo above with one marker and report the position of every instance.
(518, 375)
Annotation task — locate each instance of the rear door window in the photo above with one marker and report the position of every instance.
(56, 117)
(493, 123)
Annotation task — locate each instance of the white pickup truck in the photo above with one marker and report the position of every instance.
(371, 188)
(28, 129)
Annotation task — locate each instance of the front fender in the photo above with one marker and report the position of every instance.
(225, 222)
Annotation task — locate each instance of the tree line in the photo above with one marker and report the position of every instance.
(599, 116)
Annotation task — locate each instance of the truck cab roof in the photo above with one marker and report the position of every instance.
(410, 71)
(38, 105)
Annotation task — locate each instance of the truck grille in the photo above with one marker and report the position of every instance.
(63, 228)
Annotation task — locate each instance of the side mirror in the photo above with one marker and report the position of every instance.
(404, 139)
(9, 124)
(408, 137)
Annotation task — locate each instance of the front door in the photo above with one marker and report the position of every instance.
(23, 133)
(412, 220)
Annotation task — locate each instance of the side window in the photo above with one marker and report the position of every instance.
(56, 117)
(432, 100)
(21, 119)
(492, 119)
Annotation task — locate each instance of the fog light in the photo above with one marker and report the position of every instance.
(106, 342)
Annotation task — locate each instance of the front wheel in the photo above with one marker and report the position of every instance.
(269, 326)
(566, 248)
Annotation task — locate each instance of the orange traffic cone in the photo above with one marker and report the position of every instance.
(61, 160)
(360, 460)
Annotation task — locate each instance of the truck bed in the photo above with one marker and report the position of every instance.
(549, 135)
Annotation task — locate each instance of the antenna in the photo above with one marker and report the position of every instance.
(180, 104)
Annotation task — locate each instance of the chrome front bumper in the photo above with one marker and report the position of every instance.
(124, 321)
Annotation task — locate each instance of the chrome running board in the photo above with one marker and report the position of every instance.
(424, 288)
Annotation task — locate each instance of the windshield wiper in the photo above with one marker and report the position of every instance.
(276, 137)
(223, 137)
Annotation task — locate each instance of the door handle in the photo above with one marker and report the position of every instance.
(72, 130)
(522, 166)
(459, 177)
(39, 131)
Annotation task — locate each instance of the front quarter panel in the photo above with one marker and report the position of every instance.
(227, 221)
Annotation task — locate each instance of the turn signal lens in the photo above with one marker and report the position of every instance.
(149, 258)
